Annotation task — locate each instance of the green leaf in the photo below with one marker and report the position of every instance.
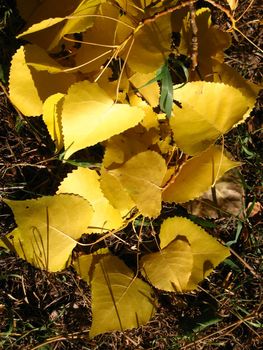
(166, 96)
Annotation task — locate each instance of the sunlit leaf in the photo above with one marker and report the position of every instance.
(197, 175)
(211, 41)
(41, 16)
(207, 252)
(116, 193)
(150, 91)
(120, 300)
(153, 41)
(142, 177)
(85, 182)
(46, 23)
(50, 23)
(90, 116)
(45, 235)
(232, 4)
(29, 88)
(52, 118)
(171, 268)
(227, 105)
(98, 44)
(21, 86)
(223, 73)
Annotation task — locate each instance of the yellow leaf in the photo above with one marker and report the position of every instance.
(29, 88)
(171, 268)
(78, 21)
(150, 92)
(46, 23)
(33, 11)
(150, 119)
(116, 193)
(120, 148)
(142, 177)
(232, 4)
(85, 264)
(98, 44)
(39, 59)
(120, 300)
(45, 235)
(207, 252)
(52, 117)
(211, 41)
(22, 91)
(223, 73)
(153, 41)
(208, 121)
(44, 18)
(90, 116)
(49, 23)
(197, 175)
(86, 183)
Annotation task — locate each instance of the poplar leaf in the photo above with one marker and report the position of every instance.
(232, 4)
(206, 251)
(44, 19)
(197, 175)
(21, 86)
(29, 88)
(227, 105)
(46, 23)
(116, 194)
(45, 235)
(223, 73)
(148, 88)
(98, 44)
(90, 116)
(230, 199)
(120, 300)
(78, 21)
(86, 183)
(142, 177)
(39, 59)
(171, 268)
(153, 41)
(85, 264)
(63, 20)
(52, 118)
(211, 41)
